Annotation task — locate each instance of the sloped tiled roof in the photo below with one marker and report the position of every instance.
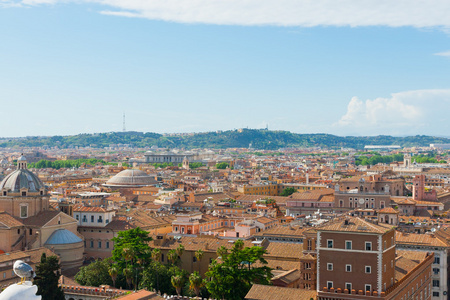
(41, 218)
(268, 292)
(355, 225)
(8, 220)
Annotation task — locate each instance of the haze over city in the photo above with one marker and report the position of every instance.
(339, 67)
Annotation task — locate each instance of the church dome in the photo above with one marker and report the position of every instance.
(63, 237)
(131, 178)
(19, 179)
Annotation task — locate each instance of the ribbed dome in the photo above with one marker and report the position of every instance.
(63, 236)
(132, 178)
(21, 178)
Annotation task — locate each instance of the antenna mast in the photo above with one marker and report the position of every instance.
(124, 128)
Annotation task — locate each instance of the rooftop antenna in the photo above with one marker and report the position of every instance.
(124, 128)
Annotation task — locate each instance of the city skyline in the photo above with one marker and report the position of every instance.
(72, 67)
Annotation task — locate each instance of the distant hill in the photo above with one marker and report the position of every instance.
(259, 138)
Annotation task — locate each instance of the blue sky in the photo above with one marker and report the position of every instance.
(69, 67)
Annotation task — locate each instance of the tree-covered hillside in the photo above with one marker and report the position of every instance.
(260, 139)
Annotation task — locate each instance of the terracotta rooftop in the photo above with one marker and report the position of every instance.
(283, 231)
(41, 218)
(354, 224)
(268, 292)
(9, 221)
(140, 295)
(388, 210)
(406, 261)
(288, 276)
(286, 250)
(418, 240)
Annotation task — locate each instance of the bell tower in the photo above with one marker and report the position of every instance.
(186, 163)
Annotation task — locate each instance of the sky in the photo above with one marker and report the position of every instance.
(344, 67)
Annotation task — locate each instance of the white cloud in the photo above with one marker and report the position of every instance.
(303, 13)
(411, 112)
(446, 53)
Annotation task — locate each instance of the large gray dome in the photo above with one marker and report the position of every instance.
(131, 178)
(62, 237)
(19, 179)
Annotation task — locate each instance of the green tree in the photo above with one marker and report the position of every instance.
(222, 165)
(288, 191)
(180, 250)
(128, 273)
(156, 254)
(222, 251)
(172, 256)
(47, 273)
(233, 277)
(158, 276)
(113, 272)
(130, 246)
(177, 282)
(195, 283)
(199, 255)
(95, 274)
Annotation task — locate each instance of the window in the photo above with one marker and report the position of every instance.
(437, 260)
(176, 228)
(348, 268)
(329, 243)
(84, 219)
(309, 244)
(77, 217)
(348, 286)
(92, 244)
(435, 283)
(368, 246)
(436, 271)
(329, 284)
(100, 219)
(194, 259)
(368, 287)
(92, 219)
(99, 244)
(348, 245)
(329, 266)
(368, 269)
(23, 211)
(435, 294)
(107, 245)
(162, 257)
(31, 231)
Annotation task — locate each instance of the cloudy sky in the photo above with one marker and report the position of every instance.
(344, 67)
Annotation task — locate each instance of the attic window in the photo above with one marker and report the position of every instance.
(4, 193)
(24, 193)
